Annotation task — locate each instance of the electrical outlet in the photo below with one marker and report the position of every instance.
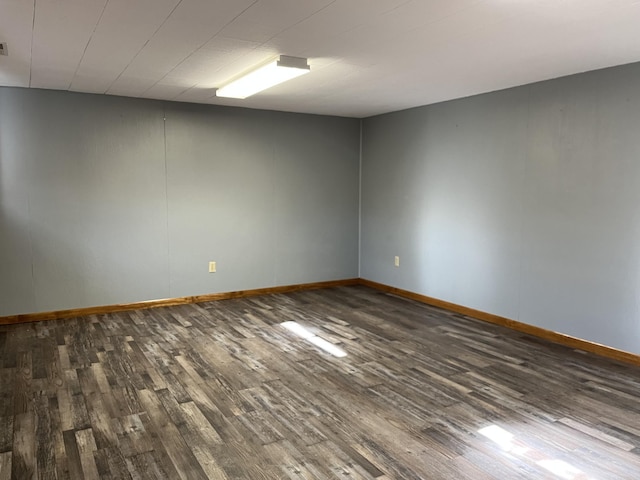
(212, 267)
(396, 261)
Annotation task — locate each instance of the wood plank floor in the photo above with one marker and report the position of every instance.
(223, 390)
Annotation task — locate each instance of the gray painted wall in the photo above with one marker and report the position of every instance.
(103, 202)
(522, 203)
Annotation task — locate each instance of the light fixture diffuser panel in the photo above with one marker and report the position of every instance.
(273, 73)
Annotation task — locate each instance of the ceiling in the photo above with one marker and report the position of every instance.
(367, 56)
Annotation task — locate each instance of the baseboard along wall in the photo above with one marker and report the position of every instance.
(169, 302)
(560, 338)
(556, 337)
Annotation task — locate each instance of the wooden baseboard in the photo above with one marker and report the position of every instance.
(560, 338)
(168, 302)
(539, 332)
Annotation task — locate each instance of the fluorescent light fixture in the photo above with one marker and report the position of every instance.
(266, 76)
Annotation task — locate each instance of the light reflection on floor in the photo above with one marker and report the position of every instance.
(312, 338)
(507, 442)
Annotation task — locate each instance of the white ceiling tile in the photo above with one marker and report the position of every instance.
(16, 21)
(131, 86)
(196, 94)
(210, 64)
(266, 18)
(124, 28)
(322, 34)
(192, 25)
(164, 91)
(242, 63)
(62, 30)
(366, 56)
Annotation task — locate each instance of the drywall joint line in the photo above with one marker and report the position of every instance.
(360, 204)
(166, 193)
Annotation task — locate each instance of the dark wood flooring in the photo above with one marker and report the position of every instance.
(222, 390)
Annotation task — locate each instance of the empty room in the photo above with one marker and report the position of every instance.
(320, 239)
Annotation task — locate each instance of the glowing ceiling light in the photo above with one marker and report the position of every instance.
(266, 76)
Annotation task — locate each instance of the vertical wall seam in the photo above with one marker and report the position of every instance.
(30, 235)
(33, 29)
(360, 204)
(274, 210)
(166, 194)
(522, 206)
